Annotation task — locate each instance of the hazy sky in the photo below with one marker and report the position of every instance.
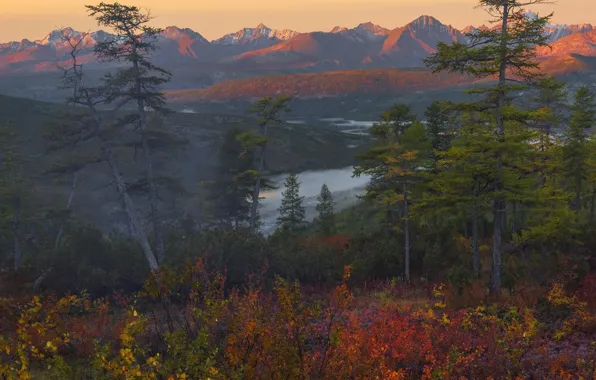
(33, 19)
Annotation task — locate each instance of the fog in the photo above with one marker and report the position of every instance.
(344, 188)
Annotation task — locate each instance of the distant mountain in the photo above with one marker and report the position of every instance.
(366, 45)
(576, 43)
(364, 32)
(554, 31)
(409, 44)
(262, 50)
(256, 35)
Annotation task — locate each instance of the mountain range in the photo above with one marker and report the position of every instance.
(263, 61)
(261, 48)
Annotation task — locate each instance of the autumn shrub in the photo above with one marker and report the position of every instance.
(188, 324)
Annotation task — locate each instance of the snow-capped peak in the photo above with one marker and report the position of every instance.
(251, 35)
(374, 29)
(339, 29)
(56, 36)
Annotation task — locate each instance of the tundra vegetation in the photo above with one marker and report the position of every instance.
(471, 255)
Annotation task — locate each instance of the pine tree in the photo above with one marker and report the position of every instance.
(138, 83)
(291, 212)
(326, 218)
(507, 54)
(268, 111)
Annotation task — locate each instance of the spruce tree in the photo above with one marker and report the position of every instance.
(291, 212)
(326, 218)
(505, 54)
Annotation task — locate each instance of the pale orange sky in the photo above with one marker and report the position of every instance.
(33, 19)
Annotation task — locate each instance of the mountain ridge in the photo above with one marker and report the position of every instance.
(366, 45)
(261, 51)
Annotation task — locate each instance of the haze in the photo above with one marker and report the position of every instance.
(33, 19)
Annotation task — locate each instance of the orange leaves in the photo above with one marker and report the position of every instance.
(287, 335)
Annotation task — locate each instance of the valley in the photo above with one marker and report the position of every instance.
(407, 201)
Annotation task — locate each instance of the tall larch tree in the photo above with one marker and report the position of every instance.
(505, 54)
(88, 126)
(137, 84)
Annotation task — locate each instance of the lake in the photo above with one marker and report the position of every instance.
(344, 188)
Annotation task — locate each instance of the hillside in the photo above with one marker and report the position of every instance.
(332, 83)
(293, 148)
(350, 82)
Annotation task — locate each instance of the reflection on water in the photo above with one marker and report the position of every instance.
(344, 188)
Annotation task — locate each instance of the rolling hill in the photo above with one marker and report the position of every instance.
(351, 82)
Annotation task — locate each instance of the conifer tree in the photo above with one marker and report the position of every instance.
(386, 133)
(268, 111)
(291, 211)
(326, 218)
(137, 84)
(86, 125)
(576, 150)
(462, 178)
(439, 128)
(395, 165)
(232, 187)
(506, 54)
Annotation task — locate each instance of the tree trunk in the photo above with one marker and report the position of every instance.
(16, 230)
(407, 234)
(475, 249)
(68, 204)
(153, 198)
(578, 191)
(592, 204)
(513, 217)
(149, 175)
(499, 201)
(257, 190)
(129, 208)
